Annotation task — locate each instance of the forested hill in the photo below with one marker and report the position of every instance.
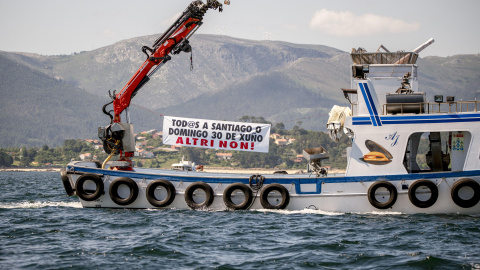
(37, 109)
(47, 99)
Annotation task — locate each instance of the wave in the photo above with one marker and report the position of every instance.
(303, 211)
(386, 213)
(39, 204)
(327, 213)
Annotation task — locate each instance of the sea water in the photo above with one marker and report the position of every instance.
(42, 228)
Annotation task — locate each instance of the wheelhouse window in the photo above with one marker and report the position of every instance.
(436, 151)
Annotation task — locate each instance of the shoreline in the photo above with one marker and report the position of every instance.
(262, 170)
(249, 170)
(206, 169)
(30, 170)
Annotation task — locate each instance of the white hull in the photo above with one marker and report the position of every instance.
(330, 194)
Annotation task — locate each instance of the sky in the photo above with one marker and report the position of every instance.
(53, 27)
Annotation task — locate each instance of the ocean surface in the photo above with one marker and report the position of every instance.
(42, 228)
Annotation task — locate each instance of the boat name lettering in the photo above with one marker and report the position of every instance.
(393, 137)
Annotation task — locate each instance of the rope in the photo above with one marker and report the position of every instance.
(258, 183)
(255, 182)
(446, 182)
(364, 184)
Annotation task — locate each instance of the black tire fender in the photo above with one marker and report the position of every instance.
(227, 196)
(168, 186)
(465, 182)
(423, 183)
(209, 196)
(274, 187)
(391, 189)
(81, 192)
(113, 191)
(66, 183)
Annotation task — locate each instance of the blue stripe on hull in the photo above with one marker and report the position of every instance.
(361, 123)
(374, 108)
(435, 116)
(432, 121)
(369, 102)
(270, 179)
(419, 119)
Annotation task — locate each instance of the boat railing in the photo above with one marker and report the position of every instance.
(431, 107)
(353, 108)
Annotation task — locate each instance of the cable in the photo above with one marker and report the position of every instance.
(108, 158)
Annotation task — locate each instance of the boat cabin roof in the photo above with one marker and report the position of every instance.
(362, 57)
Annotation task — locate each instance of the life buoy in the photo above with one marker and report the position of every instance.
(113, 191)
(208, 195)
(66, 183)
(168, 186)
(283, 193)
(455, 193)
(392, 190)
(89, 195)
(247, 192)
(430, 186)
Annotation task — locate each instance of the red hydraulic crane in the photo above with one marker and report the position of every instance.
(118, 136)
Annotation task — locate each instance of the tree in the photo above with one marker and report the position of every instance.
(44, 156)
(279, 126)
(25, 161)
(69, 145)
(5, 159)
(32, 152)
(254, 119)
(196, 155)
(8, 161)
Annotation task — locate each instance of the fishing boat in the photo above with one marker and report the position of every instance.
(407, 155)
(184, 165)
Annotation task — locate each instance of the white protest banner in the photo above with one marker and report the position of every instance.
(216, 134)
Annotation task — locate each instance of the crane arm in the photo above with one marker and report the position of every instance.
(118, 137)
(173, 41)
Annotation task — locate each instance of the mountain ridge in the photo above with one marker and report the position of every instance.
(283, 82)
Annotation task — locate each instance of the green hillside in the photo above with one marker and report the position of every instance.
(46, 99)
(457, 75)
(36, 109)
